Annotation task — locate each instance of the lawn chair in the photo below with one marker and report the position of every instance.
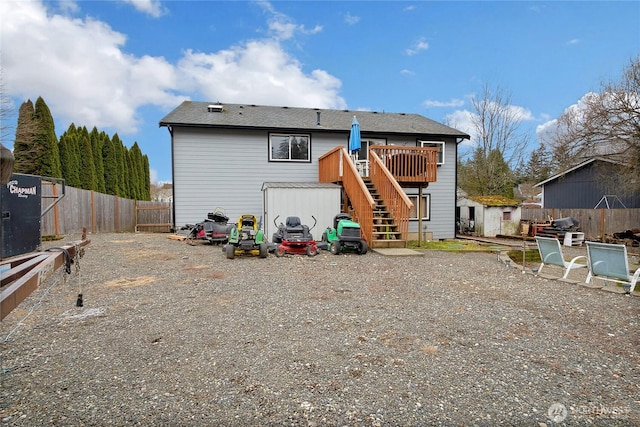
(608, 261)
(551, 254)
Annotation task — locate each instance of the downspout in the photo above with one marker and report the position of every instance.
(455, 189)
(173, 187)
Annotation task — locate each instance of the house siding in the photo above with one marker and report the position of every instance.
(442, 222)
(204, 179)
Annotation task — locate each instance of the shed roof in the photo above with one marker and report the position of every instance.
(247, 116)
(266, 185)
(494, 201)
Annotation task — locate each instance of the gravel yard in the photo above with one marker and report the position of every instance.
(177, 335)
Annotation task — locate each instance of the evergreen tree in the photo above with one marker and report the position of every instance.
(23, 149)
(538, 168)
(138, 171)
(110, 162)
(122, 177)
(69, 158)
(147, 178)
(48, 157)
(87, 168)
(96, 149)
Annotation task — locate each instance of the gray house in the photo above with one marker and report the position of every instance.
(402, 181)
(587, 185)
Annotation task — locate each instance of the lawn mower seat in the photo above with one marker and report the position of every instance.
(339, 218)
(247, 223)
(294, 225)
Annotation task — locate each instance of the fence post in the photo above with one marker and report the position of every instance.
(117, 215)
(56, 226)
(93, 213)
(601, 225)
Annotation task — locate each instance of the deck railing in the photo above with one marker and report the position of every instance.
(408, 164)
(391, 193)
(335, 166)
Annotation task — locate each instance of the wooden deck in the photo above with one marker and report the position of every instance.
(381, 206)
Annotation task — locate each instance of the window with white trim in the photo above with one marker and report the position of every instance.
(366, 143)
(424, 208)
(289, 147)
(435, 144)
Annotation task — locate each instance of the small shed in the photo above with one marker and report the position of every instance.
(490, 216)
(305, 200)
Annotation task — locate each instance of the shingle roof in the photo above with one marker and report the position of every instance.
(244, 116)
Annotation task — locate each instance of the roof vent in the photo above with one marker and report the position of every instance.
(318, 118)
(215, 108)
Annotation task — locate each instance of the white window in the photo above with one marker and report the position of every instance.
(289, 148)
(435, 144)
(424, 208)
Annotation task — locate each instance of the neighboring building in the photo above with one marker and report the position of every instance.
(162, 193)
(588, 185)
(489, 216)
(223, 154)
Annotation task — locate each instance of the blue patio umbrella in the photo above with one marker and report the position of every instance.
(354, 137)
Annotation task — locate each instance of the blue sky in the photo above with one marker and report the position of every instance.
(123, 65)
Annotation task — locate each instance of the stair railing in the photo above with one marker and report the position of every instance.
(359, 195)
(391, 193)
(336, 166)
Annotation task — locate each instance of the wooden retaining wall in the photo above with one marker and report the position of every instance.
(594, 223)
(99, 213)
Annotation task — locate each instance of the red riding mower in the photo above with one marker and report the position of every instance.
(294, 238)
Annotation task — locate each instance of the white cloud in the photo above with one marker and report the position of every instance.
(573, 41)
(418, 46)
(406, 72)
(83, 71)
(150, 7)
(463, 121)
(454, 102)
(519, 114)
(263, 70)
(351, 19)
(282, 26)
(79, 68)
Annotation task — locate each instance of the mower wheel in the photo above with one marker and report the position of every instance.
(312, 251)
(230, 251)
(280, 251)
(335, 247)
(363, 247)
(264, 250)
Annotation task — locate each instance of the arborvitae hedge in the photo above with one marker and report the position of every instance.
(88, 160)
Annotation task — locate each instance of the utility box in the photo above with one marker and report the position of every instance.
(21, 206)
(302, 199)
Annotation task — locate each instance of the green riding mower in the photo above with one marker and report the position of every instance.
(344, 236)
(246, 238)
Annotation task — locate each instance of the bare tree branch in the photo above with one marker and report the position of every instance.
(605, 124)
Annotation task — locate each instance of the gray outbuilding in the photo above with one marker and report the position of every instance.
(306, 200)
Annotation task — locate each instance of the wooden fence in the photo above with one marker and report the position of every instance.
(594, 223)
(99, 213)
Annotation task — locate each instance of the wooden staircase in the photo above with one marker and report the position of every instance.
(386, 232)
